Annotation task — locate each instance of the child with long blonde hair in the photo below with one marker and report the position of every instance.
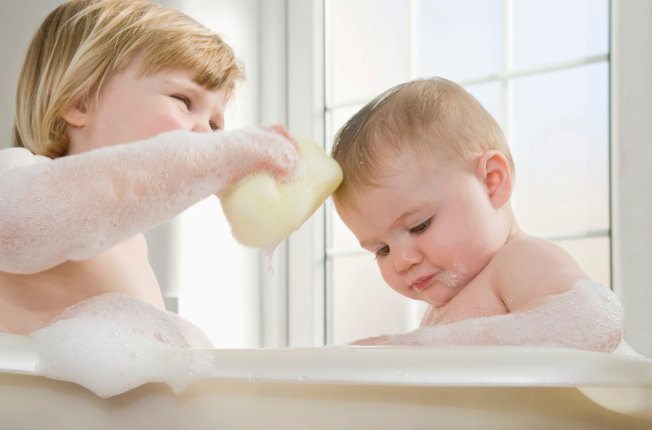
(119, 112)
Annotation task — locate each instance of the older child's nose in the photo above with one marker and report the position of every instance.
(406, 258)
(202, 127)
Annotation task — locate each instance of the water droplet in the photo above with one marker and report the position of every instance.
(269, 253)
(255, 377)
(160, 337)
(303, 378)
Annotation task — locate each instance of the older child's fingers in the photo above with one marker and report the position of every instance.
(280, 129)
(263, 148)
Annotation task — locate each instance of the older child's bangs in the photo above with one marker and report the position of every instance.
(83, 43)
(203, 52)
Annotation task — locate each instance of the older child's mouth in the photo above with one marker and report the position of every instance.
(422, 282)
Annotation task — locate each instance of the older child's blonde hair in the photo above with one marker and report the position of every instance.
(83, 43)
(424, 117)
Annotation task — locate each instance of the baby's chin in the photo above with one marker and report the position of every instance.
(439, 294)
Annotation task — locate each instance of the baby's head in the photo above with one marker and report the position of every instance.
(427, 182)
(82, 44)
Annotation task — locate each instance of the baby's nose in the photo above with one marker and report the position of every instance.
(406, 258)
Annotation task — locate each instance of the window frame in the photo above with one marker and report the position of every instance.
(309, 309)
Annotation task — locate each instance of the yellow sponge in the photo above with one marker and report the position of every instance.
(263, 212)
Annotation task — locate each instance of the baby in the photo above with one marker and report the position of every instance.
(96, 160)
(428, 178)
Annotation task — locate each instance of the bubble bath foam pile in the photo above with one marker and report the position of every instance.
(113, 343)
(263, 212)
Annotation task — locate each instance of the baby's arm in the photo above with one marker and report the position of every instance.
(550, 300)
(78, 206)
(588, 316)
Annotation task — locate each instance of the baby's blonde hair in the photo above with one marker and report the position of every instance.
(83, 43)
(424, 117)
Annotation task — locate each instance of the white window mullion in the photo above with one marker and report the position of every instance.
(306, 306)
(631, 166)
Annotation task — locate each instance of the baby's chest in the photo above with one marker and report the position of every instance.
(468, 304)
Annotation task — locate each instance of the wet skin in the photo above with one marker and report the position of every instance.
(450, 238)
(129, 108)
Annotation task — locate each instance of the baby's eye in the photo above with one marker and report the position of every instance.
(421, 227)
(214, 126)
(184, 99)
(382, 251)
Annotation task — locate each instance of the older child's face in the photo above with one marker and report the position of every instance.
(131, 108)
(433, 230)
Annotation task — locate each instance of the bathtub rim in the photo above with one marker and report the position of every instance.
(464, 366)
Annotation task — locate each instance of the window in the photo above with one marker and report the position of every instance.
(540, 68)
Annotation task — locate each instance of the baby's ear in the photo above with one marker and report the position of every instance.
(77, 115)
(494, 172)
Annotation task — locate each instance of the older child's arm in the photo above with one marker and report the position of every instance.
(78, 206)
(588, 316)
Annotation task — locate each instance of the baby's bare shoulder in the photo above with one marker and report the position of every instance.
(530, 248)
(528, 268)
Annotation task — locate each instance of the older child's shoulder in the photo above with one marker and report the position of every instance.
(527, 268)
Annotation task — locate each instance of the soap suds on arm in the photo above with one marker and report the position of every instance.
(78, 206)
(589, 317)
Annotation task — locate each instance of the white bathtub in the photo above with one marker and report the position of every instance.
(352, 388)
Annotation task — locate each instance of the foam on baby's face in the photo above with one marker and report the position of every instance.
(453, 277)
(113, 343)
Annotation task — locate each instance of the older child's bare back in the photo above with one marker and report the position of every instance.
(30, 301)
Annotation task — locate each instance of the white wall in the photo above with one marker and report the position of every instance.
(19, 20)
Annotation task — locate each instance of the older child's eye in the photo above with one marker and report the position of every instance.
(421, 227)
(382, 251)
(184, 99)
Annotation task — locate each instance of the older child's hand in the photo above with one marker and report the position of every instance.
(269, 148)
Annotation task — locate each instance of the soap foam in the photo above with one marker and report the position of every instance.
(625, 349)
(588, 316)
(454, 277)
(113, 343)
(78, 206)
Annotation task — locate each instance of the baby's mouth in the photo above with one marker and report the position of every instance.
(422, 282)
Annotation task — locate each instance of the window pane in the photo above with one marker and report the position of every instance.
(458, 39)
(593, 254)
(559, 30)
(490, 95)
(561, 149)
(363, 304)
(335, 119)
(342, 236)
(367, 48)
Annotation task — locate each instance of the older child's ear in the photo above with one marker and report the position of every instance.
(494, 172)
(77, 115)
